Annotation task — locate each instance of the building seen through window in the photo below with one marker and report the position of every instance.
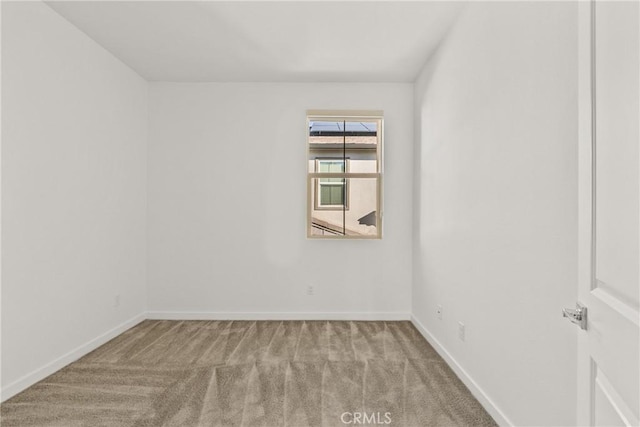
(344, 175)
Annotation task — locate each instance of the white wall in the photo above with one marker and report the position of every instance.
(227, 205)
(496, 205)
(74, 128)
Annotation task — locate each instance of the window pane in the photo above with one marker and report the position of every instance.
(331, 193)
(336, 166)
(337, 195)
(358, 219)
(325, 195)
(331, 166)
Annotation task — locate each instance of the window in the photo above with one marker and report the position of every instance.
(331, 192)
(344, 174)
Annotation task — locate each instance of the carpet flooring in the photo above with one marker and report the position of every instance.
(245, 373)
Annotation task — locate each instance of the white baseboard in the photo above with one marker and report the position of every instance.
(213, 315)
(473, 387)
(41, 373)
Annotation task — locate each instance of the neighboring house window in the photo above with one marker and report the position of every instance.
(344, 174)
(331, 192)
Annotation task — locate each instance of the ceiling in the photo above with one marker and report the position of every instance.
(229, 41)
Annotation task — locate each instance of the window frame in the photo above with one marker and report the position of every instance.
(376, 116)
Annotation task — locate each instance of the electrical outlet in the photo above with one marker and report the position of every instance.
(461, 331)
(439, 312)
(116, 301)
(310, 290)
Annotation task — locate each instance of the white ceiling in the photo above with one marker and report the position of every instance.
(225, 41)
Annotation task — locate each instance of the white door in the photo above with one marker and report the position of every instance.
(609, 93)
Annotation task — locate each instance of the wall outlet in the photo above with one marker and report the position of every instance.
(310, 290)
(461, 331)
(439, 312)
(116, 301)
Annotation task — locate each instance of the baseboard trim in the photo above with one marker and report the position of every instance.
(39, 374)
(213, 315)
(473, 386)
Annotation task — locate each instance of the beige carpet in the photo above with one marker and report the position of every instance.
(241, 373)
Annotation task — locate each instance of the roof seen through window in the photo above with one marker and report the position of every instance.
(317, 128)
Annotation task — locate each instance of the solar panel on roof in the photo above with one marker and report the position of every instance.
(342, 128)
(360, 127)
(334, 126)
